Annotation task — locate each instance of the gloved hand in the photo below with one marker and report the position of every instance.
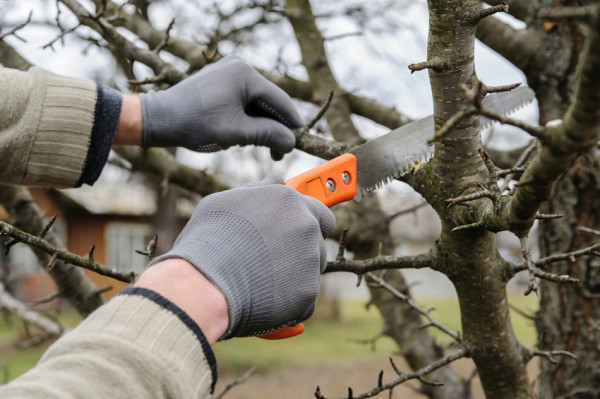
(263, 246)
(226, 103)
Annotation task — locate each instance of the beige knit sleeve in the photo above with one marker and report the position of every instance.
(138, 345)
(45, 127)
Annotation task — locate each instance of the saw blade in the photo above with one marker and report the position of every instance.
(394, 154)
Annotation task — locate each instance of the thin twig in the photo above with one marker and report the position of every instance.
(436, 64)
(321, 112)
(411, 209)
(550, 354)
(403, 377)
(474, 18)
(532, 286)
(342, 244)
(382, 283)
(585, 13)
(500, 89)
(471, 197)
(165, 41)
(17, 28)
(570, 256)
(238, 381)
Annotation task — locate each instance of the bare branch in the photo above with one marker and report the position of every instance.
(426, 313)
(17, 28)
(21, 310)
(570, 256)
(588, 230)
(318, 146)
(437, 64)
(411, 209)
(500, 89)
(150, 249)
(475, 96)
(57, 253)
(160, 162)
(532, 287)
(321, 112)
(380, 263)
(474, 18)
(550, 354)
(471, 197)
(164, 43)
(548, 216)
(405, 377)
(472, 226)
(108, 31)
(583, 13)
(238, 381)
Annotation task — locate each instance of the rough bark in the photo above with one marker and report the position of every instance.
(568, 315)
(470, 259)
(564, 321)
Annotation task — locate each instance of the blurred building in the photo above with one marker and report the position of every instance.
(114, 217)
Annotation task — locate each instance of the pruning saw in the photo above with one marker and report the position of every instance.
(375, 163)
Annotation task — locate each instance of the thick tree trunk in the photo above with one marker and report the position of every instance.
(568, 316)
(469, 259)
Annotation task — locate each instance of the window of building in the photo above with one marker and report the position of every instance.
(122, 239)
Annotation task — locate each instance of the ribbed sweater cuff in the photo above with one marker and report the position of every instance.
(62, 140)
(106, 120)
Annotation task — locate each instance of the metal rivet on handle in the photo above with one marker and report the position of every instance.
(346, 177)
(330, 184)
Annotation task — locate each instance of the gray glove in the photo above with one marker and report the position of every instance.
(263, 246)
(226, 103)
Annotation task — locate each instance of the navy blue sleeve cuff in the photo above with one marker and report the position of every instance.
(185, 319)
(106, 120)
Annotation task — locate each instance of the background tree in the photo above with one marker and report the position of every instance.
(463, 185)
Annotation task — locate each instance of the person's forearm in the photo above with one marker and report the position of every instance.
(185, 286)
(129, 129)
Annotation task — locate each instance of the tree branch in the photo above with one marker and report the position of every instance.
(108, 31)
(426, 313)
(66, 256)
(403, 377)
(72, 283)
(475, 17)
(17, 28)
(517, 46)
(578, 133)
(23, 312)
(238, 381)
(549, 355)
(583, 13)
(158, 161)
(380, 263)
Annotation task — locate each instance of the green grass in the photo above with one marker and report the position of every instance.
(323, 341)
(327, 341)
(14, 362)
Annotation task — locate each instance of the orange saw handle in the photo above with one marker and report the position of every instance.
(331, 183)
